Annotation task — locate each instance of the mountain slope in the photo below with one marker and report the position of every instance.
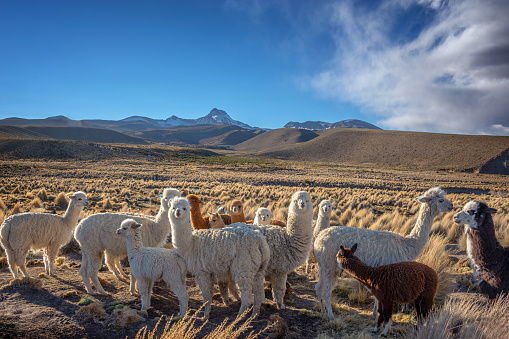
(320, 125)
(276, 139)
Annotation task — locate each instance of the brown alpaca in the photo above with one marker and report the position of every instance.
(403, 282)
(197, 220)
(215, 220)
(237, 211)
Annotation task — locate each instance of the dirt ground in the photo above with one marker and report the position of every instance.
(49, 312)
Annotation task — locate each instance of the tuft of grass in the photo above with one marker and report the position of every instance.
(16, 209)
(85, 301)
(42, 194)
(3, 207)
(61, 199)
(36, 203)
(59, 261)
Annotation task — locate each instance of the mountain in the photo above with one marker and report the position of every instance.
(319, 125)
(133, 123)
(276, 139)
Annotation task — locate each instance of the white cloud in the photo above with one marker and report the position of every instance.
(452, 77)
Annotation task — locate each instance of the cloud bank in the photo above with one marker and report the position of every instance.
(451, 76)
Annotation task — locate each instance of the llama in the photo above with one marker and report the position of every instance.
(380, 247)
(403, 282)
(322, 222)
(21, 232)
(197, 220)
(96, 235)
(149, 264)
(227, 254)
(490, 259)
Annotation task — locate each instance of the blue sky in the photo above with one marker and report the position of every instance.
(440, 66)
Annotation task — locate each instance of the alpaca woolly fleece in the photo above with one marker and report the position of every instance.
(21, 232)
(224, 253)
(96, 234)
(262, 217)
(290, 246)
(399, 282)
(379, 247)
(149, 264)
(322, 222)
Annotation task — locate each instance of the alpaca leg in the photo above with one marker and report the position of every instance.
(379, 320)
(375, 306)
(178, 285)
(93, 270)
(110, 262)
(278, 288)
(150, 289)
(84, 273)
(258, 292)
(246, 291)
(20, 262)
(119, 268)
(206, 286)
(51, 254)
(132, 285)
(45, 261)
(310, 260)
(232, 287)
(387, 312)
(11, 261)
(324, 291)
(144, 287)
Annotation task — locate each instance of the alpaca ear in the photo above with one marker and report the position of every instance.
(491, 210)
(341, 250)
(136, 225)
(70, 196)
(354, 248)
(422, 198)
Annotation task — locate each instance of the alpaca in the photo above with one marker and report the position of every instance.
(263, 217)
(197, 220)
(237, 211)
(21, 232)
(290, 246)
(490, 259)
(96, 235)
(215, 220)
(322, 222)
(150, 264)
(227, 254)
(381, 247)
(403, 282)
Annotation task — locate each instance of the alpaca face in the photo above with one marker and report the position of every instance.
(263, 215)
(325, 206)
(168, 194)
(127, 227)
(301, 203)
(435, 197)
(236, 207)
(345, 254)
(179, 208)
(472, 215)
(215, 220)
(79, 198)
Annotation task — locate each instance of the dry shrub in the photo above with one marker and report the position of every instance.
(16, 209)
(435, 256)
(3, 190)
(61, 199)
(360, 294)
(467, 317)
(42, 194)
(2, 216)
(69, 294)
(107, 204)
(279, 328)
(24, 282)
(123, 317)
(3, 262)
(30, 195)
(59, 261)
(36, 203)
(16, 190)
(2, 205)
(186, 328)
(94, 312)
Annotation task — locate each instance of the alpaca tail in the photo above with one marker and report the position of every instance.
(265, 252)
(5, 231)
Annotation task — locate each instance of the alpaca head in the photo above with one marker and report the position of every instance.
(215, 220)
(127, 227)
(236, 207)
(194, 200)
(473, 215)
(179, 209)
(435, 198)
(78, 198)
(301, 203)
(168, 194)
(325, 207)
(263, 216)
(346, 254)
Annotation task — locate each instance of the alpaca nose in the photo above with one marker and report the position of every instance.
(118, 231)
(178, 213)
(302, 204)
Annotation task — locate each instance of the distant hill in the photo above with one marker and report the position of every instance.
(276, 139)
(319, 125)
(87, 134)
(433, 151)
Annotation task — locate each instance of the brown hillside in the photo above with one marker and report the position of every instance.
(397, 149)
(13, 132)
(231, 138)
(277, 139)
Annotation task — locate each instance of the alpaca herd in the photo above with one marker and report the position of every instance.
(234, 252)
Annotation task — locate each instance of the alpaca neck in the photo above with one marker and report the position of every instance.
(160, 229)
(238, 217)
(134, 243)
(485, 246)
(420, 233)
(72, 214)
(300, 229)
(322, 222)
(359, 270)
(196, 216)
(182, 234)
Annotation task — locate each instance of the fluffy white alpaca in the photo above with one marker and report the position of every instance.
(322, 222)
(289, 246)
(262, 217)
(224, 253)
(96, 235)
(149, 264)
(21, 232)
(379, 247)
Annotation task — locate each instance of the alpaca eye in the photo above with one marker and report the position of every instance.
(441, 200)
(471, 212)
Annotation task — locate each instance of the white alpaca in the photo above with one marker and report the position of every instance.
(262, 217)
(289, 246)
(96, 235)
(379, 247)
(322, 222)
(21, 232)
(149, 264)
(223, 253)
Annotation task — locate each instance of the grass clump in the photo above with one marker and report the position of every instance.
(61, 199)
(85, 301)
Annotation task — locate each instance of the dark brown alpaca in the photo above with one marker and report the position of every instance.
(197, 220)
(490, 259)
(403, 282)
